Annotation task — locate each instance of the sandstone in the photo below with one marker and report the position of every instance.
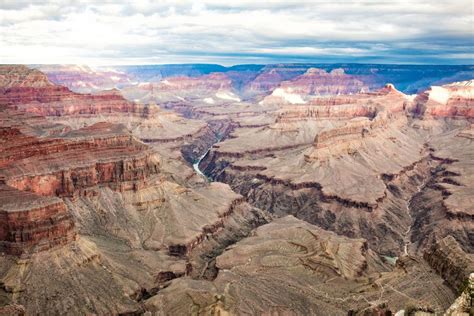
(452, 101)
(77, 160)
(31, 223)
(450, 261)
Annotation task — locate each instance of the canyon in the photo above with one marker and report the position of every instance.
(289, 189)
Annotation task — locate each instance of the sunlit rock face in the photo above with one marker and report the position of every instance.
(455, 100)
(284, 189)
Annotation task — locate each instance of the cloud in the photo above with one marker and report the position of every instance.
(230, 32)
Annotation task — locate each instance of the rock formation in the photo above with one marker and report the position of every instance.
(290, 266)
(86, 198)
(449, 260)
(454, 100)
(337, 192)
(31, 223)
(84, 79)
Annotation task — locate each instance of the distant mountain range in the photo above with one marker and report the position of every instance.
(407, 78)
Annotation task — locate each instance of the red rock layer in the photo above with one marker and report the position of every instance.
(41, 161)
(34, 171)
(29, 223)
(29, 90)
(449, 101)
(100, 154)
(387, 99)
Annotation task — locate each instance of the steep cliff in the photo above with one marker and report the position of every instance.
(450, 261)
(455, 100)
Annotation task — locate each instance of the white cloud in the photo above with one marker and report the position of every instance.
(228, 31)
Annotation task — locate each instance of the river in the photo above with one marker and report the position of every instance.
(196, 164)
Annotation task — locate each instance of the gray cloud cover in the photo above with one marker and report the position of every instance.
(230, 32)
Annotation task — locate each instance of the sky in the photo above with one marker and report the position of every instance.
(231, 32)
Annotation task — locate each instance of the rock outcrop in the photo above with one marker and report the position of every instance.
(70, 164)
(319, 82)
(29, 90)
(271, 76)
(211, 88)
(463, 305)
(451, 262)
(455, 100)
(31, 223)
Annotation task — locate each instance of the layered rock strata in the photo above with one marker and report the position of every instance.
(451, 262)
(290, 266)
(455, 100)
(31, 223)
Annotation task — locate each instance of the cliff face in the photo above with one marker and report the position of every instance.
(450, 261)
(35, 170)
(41, 160)
(454, 100)
(30, 91)
(182, 89)
(100, 154)
(30, 223)
(19, 76)
(213, 81)
(464, 304)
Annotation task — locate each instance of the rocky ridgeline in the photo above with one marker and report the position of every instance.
(451, 262)
(99, 154)
(213, 81)
(30, 91)
(454, 100)
(84, 79)
(387, 99)
(312, 112)
(350, 136)
(19, 76)
(271, 77)
(319, 82)
(77, 110)
(179, 90)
